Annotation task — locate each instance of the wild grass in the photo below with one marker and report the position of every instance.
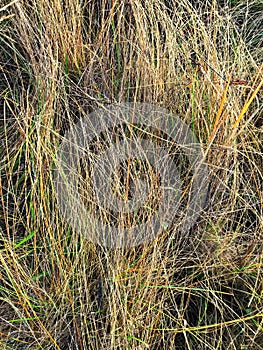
(60, 61)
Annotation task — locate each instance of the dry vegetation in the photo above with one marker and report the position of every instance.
(60, 60)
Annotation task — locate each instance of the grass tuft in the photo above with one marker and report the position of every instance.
(60, 61)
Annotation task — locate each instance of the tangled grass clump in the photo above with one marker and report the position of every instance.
(59, 61)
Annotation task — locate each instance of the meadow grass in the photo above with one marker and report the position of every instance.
(60, 61)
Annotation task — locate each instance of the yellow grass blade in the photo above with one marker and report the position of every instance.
(248, 103)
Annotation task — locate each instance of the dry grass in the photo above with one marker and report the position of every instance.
(201, 290)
